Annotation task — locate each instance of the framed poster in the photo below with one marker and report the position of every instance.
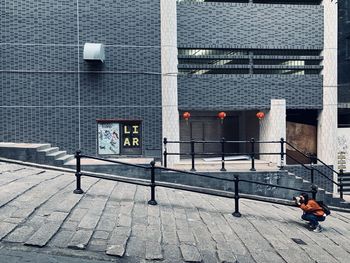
(108, 138)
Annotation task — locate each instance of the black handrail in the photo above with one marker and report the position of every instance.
(152, 182)
(334, 171)
(252, 155)
(312, 159)
(296, 149)
(324, 175)
(219, 154)
(192, 173)
(274, 185)
(114, 161)
(296, 160)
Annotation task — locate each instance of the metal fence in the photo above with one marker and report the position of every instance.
(252, 153)
(152, 183)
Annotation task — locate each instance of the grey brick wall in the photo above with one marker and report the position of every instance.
(57, 125)
(240, 92)
(42, 21)
(249, 26)
(44, 81)
(232, 25)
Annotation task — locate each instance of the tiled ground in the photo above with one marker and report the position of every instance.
(112, 221)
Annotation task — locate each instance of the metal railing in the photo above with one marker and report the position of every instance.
(313, 160)
(152, 183)
(252, 154)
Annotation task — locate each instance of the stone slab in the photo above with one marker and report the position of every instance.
(80, 239)
(190, 253)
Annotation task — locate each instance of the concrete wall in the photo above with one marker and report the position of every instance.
(49, 94)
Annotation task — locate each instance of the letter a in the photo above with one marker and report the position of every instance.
(127, 142)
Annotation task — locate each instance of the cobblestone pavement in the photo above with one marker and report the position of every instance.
(40, 217)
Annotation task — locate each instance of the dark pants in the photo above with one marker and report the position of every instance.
(313, 219)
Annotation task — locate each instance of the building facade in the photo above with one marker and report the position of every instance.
(344, 64)
(164, 58)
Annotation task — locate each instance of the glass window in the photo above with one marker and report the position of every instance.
(249, 61)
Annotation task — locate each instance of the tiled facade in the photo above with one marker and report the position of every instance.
(50, 94)
(267, 26)
(243, 92)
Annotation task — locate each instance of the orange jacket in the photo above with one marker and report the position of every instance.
(312, 207)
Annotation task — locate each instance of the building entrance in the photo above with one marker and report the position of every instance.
(209, 128)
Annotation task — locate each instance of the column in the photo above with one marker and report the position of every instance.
(170, 113)
(273, 128)
(327, 119)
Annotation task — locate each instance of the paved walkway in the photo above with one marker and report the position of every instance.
(40, 215)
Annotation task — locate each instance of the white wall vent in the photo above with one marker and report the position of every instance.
(94, 51)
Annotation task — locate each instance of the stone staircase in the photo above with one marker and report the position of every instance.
(36, 153)
(329, 198)
(346, 183)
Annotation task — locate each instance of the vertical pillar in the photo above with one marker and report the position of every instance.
(170, 113)
(327, 119)
(273, 128)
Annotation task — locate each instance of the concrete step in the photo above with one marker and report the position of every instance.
(22, 151)
(49, 150)
(56, 155)
(65, 159)
(43, 147)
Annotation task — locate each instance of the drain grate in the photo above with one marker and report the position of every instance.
(299, 241)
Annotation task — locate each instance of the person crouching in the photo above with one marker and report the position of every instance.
(312, 211)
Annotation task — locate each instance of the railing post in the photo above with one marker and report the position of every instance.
(192, 155)
(78, 189)
(314, 191)
(282, 153)
(252, 155)
(223, 155)
(236, 213)
(165, 154)
(341, 173)
(153, 185)
(312, 173)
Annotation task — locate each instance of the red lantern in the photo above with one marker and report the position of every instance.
(221, 116)
(260, 115)
(186, 115)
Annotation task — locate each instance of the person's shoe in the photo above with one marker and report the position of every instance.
(311, 226)
(318, 229)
